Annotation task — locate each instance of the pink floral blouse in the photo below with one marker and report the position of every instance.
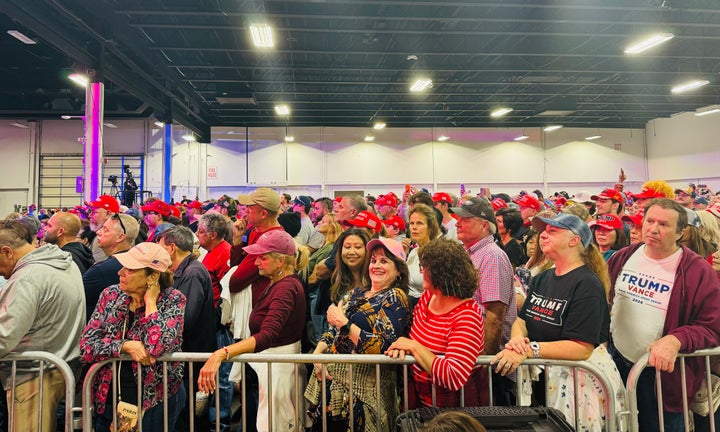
(160, 333)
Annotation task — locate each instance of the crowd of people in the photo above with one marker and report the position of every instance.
(601, 277)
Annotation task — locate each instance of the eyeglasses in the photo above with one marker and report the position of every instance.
(150, 212)
(117, 217)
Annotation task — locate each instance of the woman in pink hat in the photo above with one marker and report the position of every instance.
(276, 324)
(141, 317)
(373, 317)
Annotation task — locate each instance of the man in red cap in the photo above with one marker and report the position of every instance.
(194, 212)
(102, 209)
(395, 227)
(154, 214)
(529, 207)
(609, 201)
(386, 205)
(443, 201)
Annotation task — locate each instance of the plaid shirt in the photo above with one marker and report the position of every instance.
(495, 279)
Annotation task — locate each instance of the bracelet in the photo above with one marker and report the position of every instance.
(227, 353)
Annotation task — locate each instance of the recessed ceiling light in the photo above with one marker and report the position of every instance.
(521, 138)
(21, 37)
(111, 125)
(712, 109)
(421, 84)
(594, 137)
(379, 125)
(79, 79)
(188, 137)
(19, 125)
(690, 85)
(369, 138)
(289, 138)
(500, 112)
(648, 43)
(443, 138)
(282, 110)
(552, 128)
(159, 124)
(261, 35)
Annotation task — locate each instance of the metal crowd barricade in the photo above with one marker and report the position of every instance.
(642, 363)
(44, 360)
(300, 360)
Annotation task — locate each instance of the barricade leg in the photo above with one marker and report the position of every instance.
(225, 388)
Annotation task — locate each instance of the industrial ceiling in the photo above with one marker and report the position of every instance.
(352, 62)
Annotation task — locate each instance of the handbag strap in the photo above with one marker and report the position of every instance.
(119, 386)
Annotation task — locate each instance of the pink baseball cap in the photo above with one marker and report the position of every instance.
(145, 255)
(392, 245)
(272, 241)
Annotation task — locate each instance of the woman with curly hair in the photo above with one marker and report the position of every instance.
(447, 332)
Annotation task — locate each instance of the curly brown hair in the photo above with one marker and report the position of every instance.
(449, 267)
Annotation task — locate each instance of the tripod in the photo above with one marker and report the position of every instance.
(114, 192)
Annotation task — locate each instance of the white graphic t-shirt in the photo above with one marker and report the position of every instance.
(642, 294)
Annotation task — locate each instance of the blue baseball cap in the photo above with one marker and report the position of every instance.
(565, 221)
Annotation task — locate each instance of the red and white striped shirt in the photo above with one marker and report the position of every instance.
(459, 335)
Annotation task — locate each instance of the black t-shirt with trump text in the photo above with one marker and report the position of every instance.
(568, 307)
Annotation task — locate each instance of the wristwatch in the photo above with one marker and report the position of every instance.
(535, 347)
(345, 329)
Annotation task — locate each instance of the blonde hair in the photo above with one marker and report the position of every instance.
(592, 258)
(709, 228)
(660, 186)
(334, 228)
(297, 262)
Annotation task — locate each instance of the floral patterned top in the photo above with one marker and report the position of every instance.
(160, 332)
(382, 319)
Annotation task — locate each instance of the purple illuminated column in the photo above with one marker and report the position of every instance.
(94, 102)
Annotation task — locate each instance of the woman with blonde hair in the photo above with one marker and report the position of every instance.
(575, 330)
(331, 229)
(424, 228)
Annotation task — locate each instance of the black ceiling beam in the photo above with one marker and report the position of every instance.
(47, 27)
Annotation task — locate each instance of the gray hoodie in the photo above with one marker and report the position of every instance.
(42, 308)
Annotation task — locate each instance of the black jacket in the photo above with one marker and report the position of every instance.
(81, 255)
(193, 280)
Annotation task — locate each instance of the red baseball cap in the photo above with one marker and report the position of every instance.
(175, 211)
(648, 192)
(105, 202)
(157, 206)
(610, 194)
(528, 201)
(365, 219)
(636, 219)
(388, 200)
(195, 205)
(442, 197)
(498, 203)
(607, 221)
(395, 221)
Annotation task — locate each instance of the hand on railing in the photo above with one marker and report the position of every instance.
(663, 353)
(206, 377)
(519, 344)
(506, 361)
(137, 351)
(319, 370)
